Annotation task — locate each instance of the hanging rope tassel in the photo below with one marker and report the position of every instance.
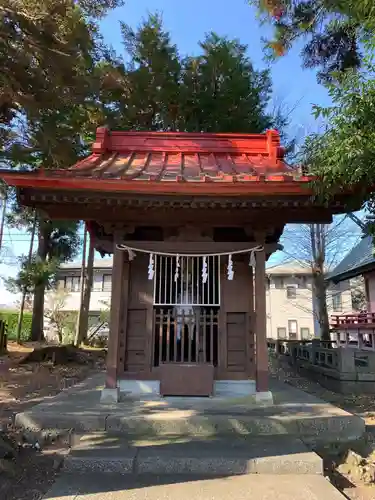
(252, 261)
(204, 270)
(230, 270)
(151, 270)
(131, 254)
(177, 271)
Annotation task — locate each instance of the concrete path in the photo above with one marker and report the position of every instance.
(174, 487)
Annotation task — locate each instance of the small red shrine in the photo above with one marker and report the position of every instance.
(190, 220)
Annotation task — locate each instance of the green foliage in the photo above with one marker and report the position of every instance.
(343, 155)
(221, 90)
(60, 319)
(11, 319)
(217, 90)
(32, 274)
(334, 32)
(49, 50)
(58, 243)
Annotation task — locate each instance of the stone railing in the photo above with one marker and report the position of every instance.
(335, 367)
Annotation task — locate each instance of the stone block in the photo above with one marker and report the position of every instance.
(346, 360)
(278, 455)
(35, 421)
(110, 396)
(264, 397)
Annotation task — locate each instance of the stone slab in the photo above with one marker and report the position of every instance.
(276, 455)
(35, 420)
(310, 428)
(101, 455)
(172, 487)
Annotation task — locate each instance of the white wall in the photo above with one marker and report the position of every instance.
(281, 309)
(100, 294)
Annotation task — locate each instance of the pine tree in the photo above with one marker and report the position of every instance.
(333, 31)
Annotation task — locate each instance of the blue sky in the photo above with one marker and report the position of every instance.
(188, 21)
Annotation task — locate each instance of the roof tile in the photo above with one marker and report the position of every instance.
(189, 157)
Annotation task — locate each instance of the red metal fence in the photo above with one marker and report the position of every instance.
(362, 320)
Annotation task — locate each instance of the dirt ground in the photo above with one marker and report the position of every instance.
(350, 468)
(26, 472)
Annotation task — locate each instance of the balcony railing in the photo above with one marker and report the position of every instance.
(353, 321)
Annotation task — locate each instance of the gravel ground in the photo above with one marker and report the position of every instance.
(26, 472)
(345, 472)
(31, 472)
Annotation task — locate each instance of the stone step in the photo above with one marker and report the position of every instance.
(306, 422)
(104, 453)
(313, 430)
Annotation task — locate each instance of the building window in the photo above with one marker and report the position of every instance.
(281, 333)
(292, 329)
(72, 283)
(268, 282)
(291, 292)
(97, 282)
(337, 301)
(107, 283)
(305, 333)
(279, 283)
(302, 282)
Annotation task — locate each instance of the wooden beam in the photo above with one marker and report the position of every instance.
(122, 341)
(116, 316)
(261, 351)
(201, 247)
(256, 217)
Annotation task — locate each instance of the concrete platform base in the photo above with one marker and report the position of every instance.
(293, 413)
(188, 487)
(139, 387)
(234, 388)
(264, 397)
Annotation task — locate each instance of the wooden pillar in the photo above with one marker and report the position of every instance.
(261, 352)
(116, 317)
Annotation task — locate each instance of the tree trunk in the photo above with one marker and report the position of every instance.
(84, 316)
(320, 291)
(37, 322)
(22, 306)
(318, 250)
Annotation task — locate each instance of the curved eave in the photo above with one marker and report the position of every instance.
(256, 187)
(352, 273)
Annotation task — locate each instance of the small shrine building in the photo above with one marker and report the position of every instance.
(191, 220)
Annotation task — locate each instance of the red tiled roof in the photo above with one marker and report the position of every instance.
(149, 161)
(184, 157)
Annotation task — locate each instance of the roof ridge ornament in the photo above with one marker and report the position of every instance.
(102, 140)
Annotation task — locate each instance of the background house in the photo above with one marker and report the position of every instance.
(360, 261)
(290, 305)
(290, 308)
(69, 280)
